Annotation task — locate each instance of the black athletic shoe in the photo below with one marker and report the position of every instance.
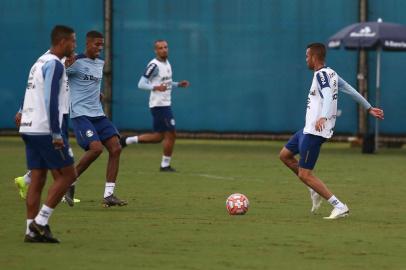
(167, 169)
(70, 195)
(33, 239)
(122, 141)
(44, 232)
(113, 201)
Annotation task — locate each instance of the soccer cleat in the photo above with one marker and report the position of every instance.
(22, 186)
(167, 169)
(316, 201)
(44, 232)
(113, 201)
(75, 200)
(339, 212)
(69, 196)
(123, 142)
(33, 239)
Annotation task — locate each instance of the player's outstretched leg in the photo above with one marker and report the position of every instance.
(340, 209)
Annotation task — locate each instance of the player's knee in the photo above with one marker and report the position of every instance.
(159, 137)
(304, 176)
(96, 150)
(115, 150)
(283, 156)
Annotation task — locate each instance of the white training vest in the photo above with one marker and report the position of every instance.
(321, 78)
(158, 98)
(35, 118)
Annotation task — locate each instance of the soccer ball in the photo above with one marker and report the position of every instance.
(237, 204)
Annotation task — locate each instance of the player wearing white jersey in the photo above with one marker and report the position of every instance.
(46, 100)
(24, 181)
(319, 126)
(157, 78)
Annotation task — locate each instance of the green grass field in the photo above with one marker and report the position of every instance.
(179, 221)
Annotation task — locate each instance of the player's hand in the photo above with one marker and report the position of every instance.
(376, 112)
(320, 124)
(101, 97)
(17, 119)
(160, 88)
(58, 143)
(184, 84)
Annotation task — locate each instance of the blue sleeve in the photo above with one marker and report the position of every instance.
(151, 71)
(53, 71)
(349, 90)
(322, 79)
(144, 84)
(175, 84)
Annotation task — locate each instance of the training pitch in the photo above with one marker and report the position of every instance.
(179, 220)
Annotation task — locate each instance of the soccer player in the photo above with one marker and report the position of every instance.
(24, 181)
(320, 121)
(93, 130)
(157, 78)
(46, 100)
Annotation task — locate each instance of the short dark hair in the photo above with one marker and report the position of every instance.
(318, 49)
(60, 32)
(159, 40)
(94, 34)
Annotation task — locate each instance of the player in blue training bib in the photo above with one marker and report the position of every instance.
(93, 130)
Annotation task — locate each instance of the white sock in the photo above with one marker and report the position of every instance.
(166, 161)
(131, 140)
(109, 189)
(43, 215)
(335, 202)
(27, 231)
(27, 178)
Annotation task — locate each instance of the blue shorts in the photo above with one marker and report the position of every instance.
(88, 129)
(41, 153)
(307, 146)
(163, 119)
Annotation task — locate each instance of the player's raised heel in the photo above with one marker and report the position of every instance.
(316, 201)
(69, 196)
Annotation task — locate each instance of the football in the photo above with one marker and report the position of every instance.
(237, 204)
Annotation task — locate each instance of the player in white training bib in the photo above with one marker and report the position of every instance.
(320, 121)
(157, 78)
